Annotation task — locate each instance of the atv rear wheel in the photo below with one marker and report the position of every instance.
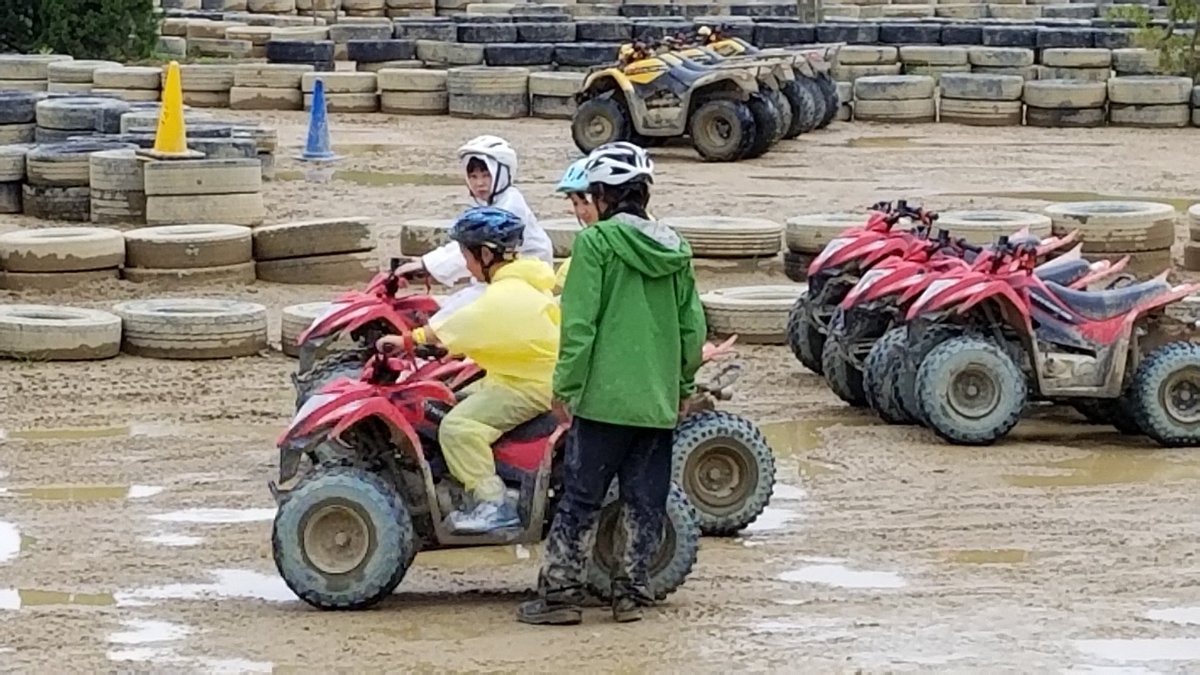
(805, 339)
(904, 378)
(598, 121)
(1166, 395)
(829, 93)
(766, 125)
(844, 380)
(816, 99)
(804, 109)
(343, 539)
(678, 546)
(971, 391)
(726, 469)
(722, 130)
(880, 372)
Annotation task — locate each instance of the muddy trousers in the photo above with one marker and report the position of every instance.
(471, 427)
(640, 459)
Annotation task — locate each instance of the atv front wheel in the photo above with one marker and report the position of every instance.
(844, 380)
(1166, 395)
(677, 550)
(785, 113)
(879, 375)
(598, 121)
(804, 109)
(767, 125)
(722, 130)
(343, 539)
(726, 469)
(904, 378)
(829, 91)
(970, 391)
(819, 106)
(348, 363)
(805, 339)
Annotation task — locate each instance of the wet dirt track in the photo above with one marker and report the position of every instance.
(137, 539)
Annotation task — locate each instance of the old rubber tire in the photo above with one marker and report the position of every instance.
(904, 376)
(845, 381)
(726, 469)
(598, 121)
(766, 125)
(294, 320)
(1165, 394)
(805, 114)
(970, 391)
(879, 373)
(678, 547)
(345, 363)
(192, 328)
(343, 500)
(722, 130)
(50, 333)
(805, 340)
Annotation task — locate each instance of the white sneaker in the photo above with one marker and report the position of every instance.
(485, 517)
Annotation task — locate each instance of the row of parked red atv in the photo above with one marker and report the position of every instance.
(924, 328)
(363, 485)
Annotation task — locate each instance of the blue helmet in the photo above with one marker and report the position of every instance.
(489, 227)
(575, 179)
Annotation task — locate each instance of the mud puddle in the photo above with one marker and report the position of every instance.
(1110, 467)
(84, 493)
(226, 583)
(215, 516)
(136, 429)
(1178, 203)
(835, 573)
(378, 178)
(174, 540)
(13, 599)
(1189, 616)
(794, 440)
(157, 642)
(11, 541)
(894, 142)
(1141, 649)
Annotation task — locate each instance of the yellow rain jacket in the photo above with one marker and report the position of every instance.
(511, 330)
(560, 277)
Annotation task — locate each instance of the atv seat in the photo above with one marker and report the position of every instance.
(539, 427)
(1100, 305)
(1062, 270)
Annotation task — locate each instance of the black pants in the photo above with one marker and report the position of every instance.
(640, 458)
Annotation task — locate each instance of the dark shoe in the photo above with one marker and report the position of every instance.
(626, 609)
(543, 612)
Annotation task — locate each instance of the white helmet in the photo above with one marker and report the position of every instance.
(619, 163)
(497, 155)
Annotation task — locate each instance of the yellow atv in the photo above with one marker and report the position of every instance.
(648, 96)
(810, 65)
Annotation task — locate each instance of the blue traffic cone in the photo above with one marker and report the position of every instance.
(317, 148)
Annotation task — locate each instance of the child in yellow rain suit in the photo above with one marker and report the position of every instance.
(511, 330)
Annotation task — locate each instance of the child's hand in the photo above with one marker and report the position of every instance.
(711, 352)
(390, 344)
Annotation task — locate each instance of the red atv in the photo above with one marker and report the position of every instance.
(870, 307)
(1003, 331)
(839, 267)
(364, 316)
(347, 531)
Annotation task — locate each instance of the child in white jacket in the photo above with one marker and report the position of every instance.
(490, 165)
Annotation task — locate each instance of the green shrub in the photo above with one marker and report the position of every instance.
(1177, 48)
(117, 30)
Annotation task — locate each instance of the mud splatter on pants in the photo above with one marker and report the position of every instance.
(640, 459)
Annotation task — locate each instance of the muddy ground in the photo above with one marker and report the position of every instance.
(135, 519)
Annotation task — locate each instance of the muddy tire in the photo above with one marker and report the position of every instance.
(844, 380)
(970, 390)
(785, 114)
(830, 95)
(726, 469)
(879, 375)
(678, 547)
(598, 121)
(722, 130)
(1165, 395)
(343, 503)
(904, 378)
(805, 341)
(820, 109)
(348, 363)
(766, 125)
(805, 114)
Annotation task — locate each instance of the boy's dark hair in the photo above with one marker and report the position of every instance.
(630, 198)
(475, 165)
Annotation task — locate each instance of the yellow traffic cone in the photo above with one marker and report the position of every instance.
(170, 142)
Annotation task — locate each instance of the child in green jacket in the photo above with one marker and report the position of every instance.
(632, 338)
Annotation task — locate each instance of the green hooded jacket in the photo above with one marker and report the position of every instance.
(632, 326)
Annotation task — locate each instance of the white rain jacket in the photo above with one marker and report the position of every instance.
(447, 265)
